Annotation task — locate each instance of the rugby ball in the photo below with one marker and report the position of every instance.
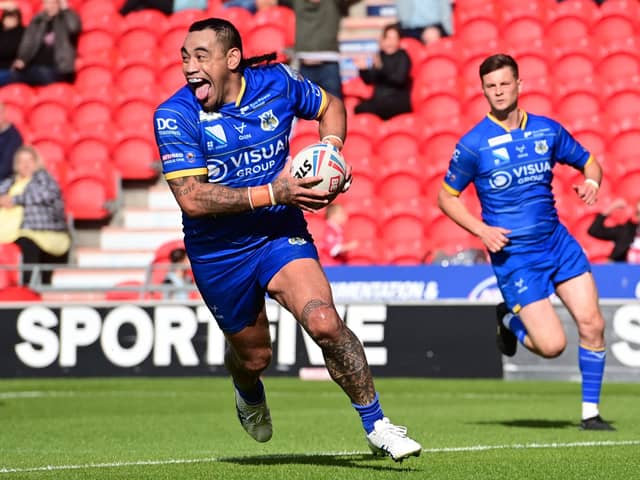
(322, 160)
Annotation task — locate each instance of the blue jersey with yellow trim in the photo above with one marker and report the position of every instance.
(245, 143)
(512, 172)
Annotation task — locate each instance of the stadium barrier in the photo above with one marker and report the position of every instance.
(453, 339)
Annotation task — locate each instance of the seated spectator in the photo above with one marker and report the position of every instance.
(48, 49)
(625, 235)
(165, 6)
(333, 249)
(10, 140)
(32, 214)
(179, 275)
(425, 20)
(390, 77)
(10, 35)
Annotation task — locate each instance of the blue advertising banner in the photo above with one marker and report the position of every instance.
(477, 282)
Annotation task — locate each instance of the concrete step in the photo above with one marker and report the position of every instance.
(95, 257)
(160, 198)
(152, 218)
(122, 239)
(95, 278)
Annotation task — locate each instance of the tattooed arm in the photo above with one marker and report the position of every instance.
(197, 197)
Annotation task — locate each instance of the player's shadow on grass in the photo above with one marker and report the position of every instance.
(530, 423)
(347, 461)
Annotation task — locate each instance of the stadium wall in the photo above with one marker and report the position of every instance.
(448, 339)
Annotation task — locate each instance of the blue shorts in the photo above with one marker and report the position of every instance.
(531, 273)
(234, 287)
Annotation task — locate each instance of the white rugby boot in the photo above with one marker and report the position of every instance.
(389, 439)
(255, 419)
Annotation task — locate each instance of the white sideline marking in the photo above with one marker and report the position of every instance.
(184, 461)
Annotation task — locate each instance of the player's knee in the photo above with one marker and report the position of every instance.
(552, 349)
(324, 324)
(258, 361)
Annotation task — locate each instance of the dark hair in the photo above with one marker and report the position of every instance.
(496, 62)
(391, 26)
(177, 255)
(12, 12)
(229, 36)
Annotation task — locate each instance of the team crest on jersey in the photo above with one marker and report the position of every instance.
(268, 121)
(541, 147)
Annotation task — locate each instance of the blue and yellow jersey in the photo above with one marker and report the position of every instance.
(512, 172)
(245, 143)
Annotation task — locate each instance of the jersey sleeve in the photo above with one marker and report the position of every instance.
(310, 100)
(462, 169)
(177, 140)
(569, 151)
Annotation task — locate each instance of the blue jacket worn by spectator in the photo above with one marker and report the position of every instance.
(10, 140)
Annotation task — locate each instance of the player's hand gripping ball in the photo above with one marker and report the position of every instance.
(322, 160)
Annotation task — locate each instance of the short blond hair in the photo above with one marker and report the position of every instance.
(30, 149)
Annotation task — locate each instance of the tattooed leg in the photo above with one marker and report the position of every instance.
(343, 353)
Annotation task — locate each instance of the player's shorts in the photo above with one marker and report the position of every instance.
(234, 287)
(531, 273)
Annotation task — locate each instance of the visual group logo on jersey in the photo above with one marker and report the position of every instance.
(500, 180)
(217, 170)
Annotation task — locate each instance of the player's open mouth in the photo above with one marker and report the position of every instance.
(200, 88)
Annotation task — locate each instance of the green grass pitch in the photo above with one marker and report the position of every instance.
(185, 428)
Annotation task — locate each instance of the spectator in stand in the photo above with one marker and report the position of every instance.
(11, 33)
(179, 275)
(47, 51)
(624, 235)
(255, 5)
(390, 76)
(317, 26)
(10, 140)
(32, 214)
(165, 6)
(425, 20)
(333, 247)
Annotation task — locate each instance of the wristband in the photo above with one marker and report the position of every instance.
(340, 142)
(261, 196)
(592, 182)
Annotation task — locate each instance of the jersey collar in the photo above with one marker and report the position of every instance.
(523, 121)
(243, 87)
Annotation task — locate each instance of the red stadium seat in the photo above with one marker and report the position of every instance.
(134, 76)
(183, 19)
(397, 147)
(401, 228)
(416, 51)
(46, 113)
(361, 227)
(578, 103)
(170, 76)
(89, 151)
(445, 236)
(302, 140)
(171, 42)
(19, 294)
(478, 30)
(278, 15)
(589, 132)
(617, 65)
(400, 185)
(134, 112)
(116, 295)
(616, 20)
(438, 146)
(90, 77)
(18, 93)
(623, 103)
(135, 156)
(532, 65)
(357, 144)
(90, 112)
(573, 65)
(412, 251)
(438, 64)
(474, 11)
(569, 21)
(267, 38)
(439, 107)
(149, 18)
(523, 29)
(86, 195)
(96, 8)
(61, 92)
(136, 39)
(356, 88)
(11, 255)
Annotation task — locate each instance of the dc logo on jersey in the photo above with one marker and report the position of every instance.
(500, 180)
(217, 170)
(217, 133)
(541, 147)
(268, 121)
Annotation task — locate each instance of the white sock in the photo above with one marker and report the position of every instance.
(507, 319)
(589, 410)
